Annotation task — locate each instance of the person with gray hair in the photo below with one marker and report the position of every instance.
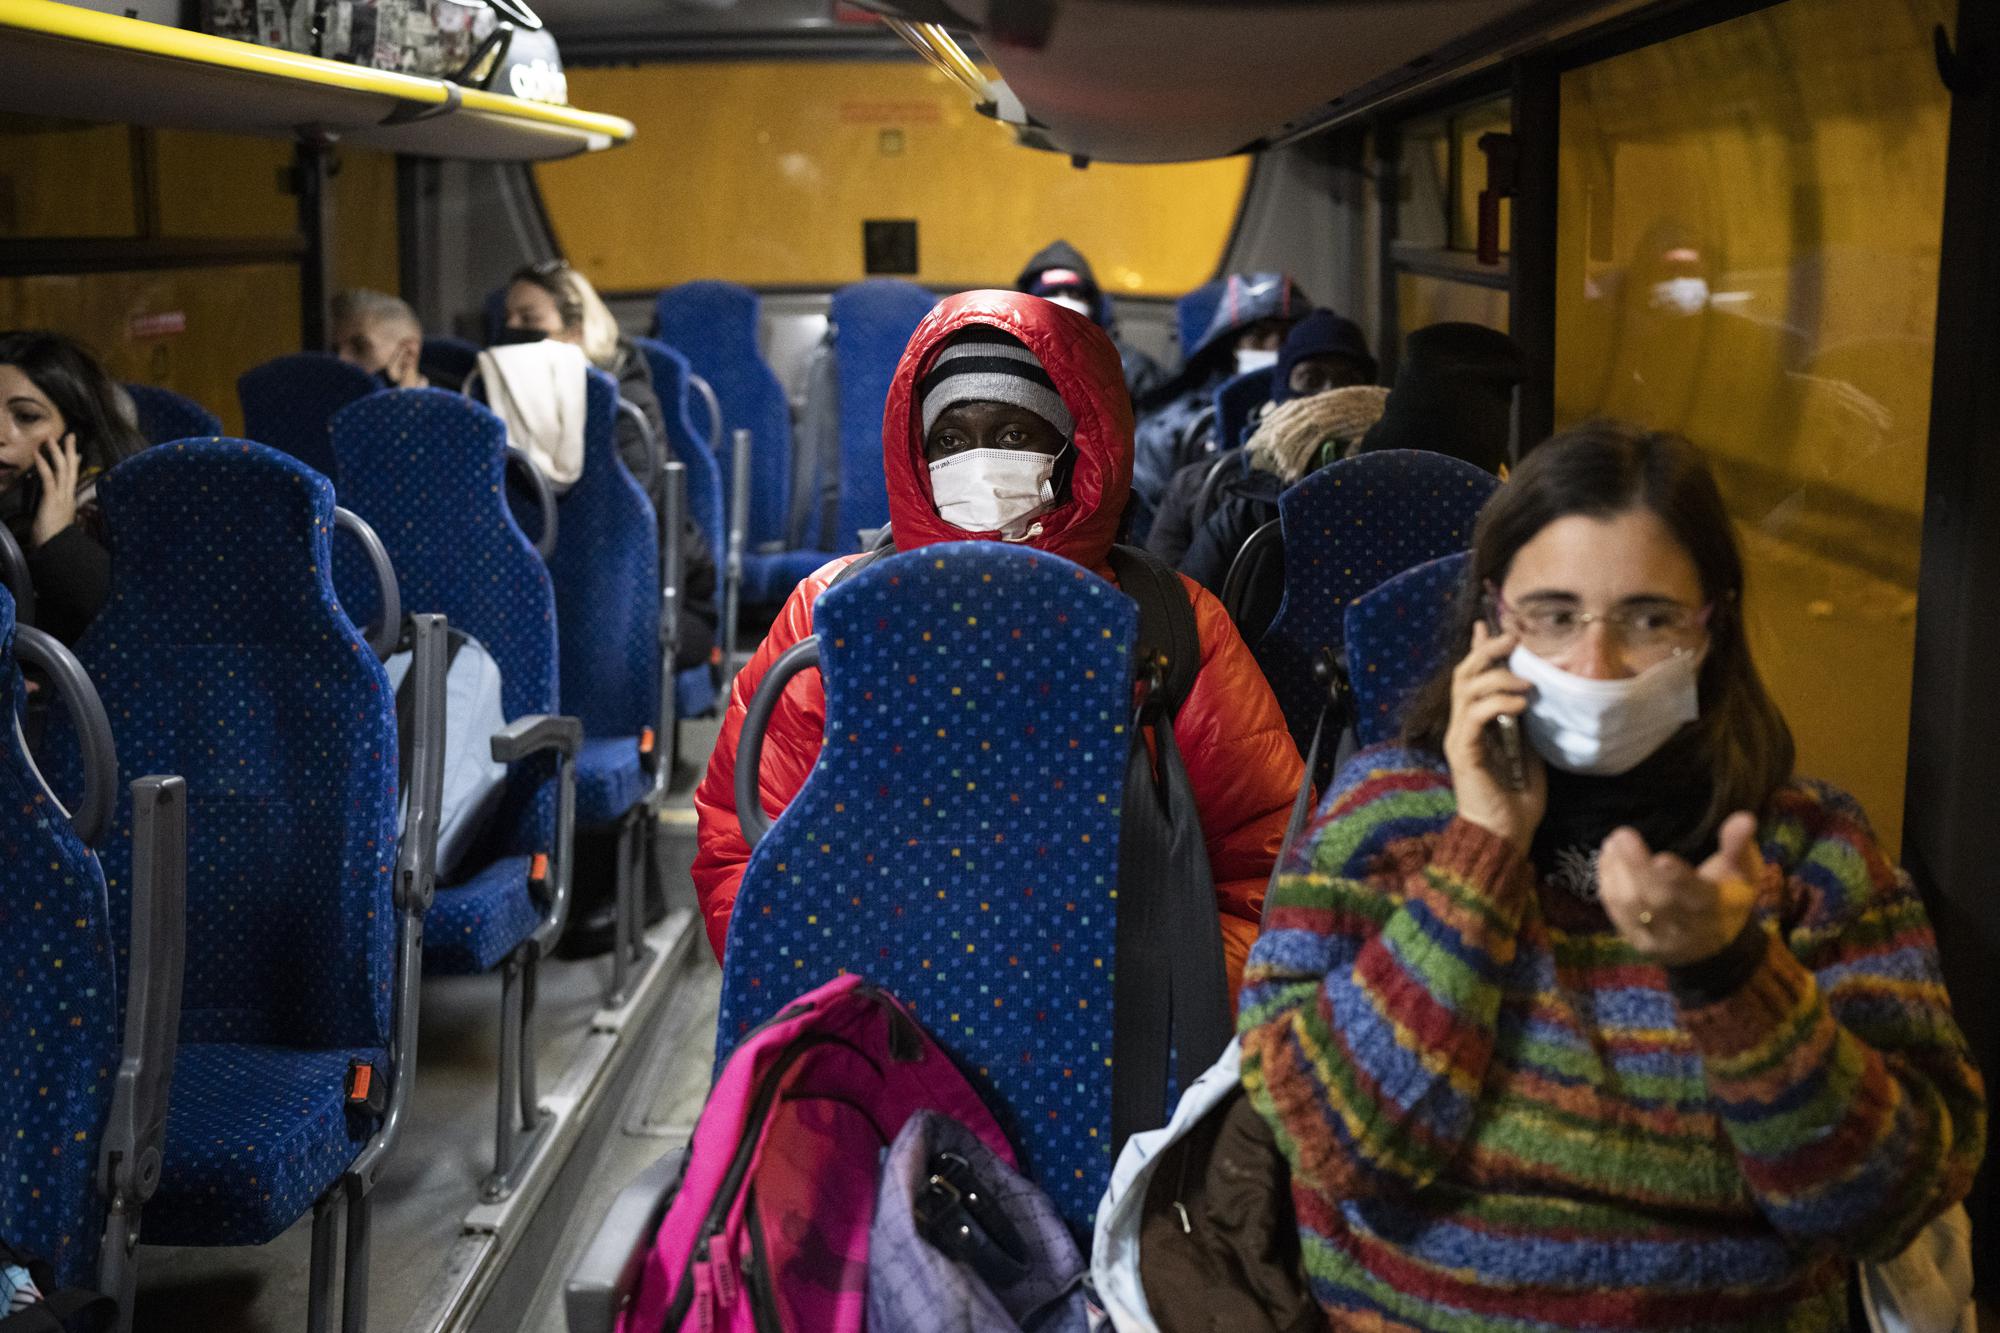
(380, 334)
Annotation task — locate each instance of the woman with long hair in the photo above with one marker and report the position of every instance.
(1623, 1026)
(66, 423)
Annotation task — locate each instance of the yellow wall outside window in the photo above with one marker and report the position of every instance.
(1748, 254)
(764, 173)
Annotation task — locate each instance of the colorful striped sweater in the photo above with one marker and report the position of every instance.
(1499, 1117)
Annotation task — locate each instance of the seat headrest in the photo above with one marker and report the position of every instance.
(225, 540)
(389, 444)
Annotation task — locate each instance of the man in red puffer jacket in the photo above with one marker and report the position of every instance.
(1038, 392)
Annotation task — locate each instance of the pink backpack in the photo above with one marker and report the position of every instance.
(769, 1228)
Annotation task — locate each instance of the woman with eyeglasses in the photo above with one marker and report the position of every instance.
(1629, 1028)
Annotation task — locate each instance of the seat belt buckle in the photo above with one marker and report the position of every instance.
(646, 741)
(367, 1090)
(538, 872)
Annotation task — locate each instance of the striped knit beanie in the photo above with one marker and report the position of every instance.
(984, 364)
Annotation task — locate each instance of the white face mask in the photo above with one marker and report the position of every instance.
(1076, 303)
(1689, 296)
(994, 490)
(1255, 358)
(1606, 727)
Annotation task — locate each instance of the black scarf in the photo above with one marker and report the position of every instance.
(1665, 798)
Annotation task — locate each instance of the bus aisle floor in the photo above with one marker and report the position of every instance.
(433, 1179)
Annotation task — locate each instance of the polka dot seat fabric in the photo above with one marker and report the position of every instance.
(222, 655)
(1394, 642)
(606, 572)
(165, 415)
(288, 401)
(426, 469)
(957, 841)
(872, 323)
(59, 1015)
(714, 325)
(1348, 527)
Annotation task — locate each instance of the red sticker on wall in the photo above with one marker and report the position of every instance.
(164, 324)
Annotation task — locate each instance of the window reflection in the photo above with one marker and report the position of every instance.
(1748, 254)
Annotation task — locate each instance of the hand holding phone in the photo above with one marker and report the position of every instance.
(1496, 783)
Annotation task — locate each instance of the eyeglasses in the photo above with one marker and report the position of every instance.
(1547, 628)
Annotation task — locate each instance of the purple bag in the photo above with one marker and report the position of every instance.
(962, 1243)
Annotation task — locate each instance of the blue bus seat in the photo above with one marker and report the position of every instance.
(447, 361)
(289, 401)
(1347, 528)
(957, 841)
(1395, 641)
(714, 325)
(302, 952)
(69, 1088)
(872, 323)
(607, 576)
(165, 415)
(694, 688)
(1237, 403)
(426, 468)
(1194, 312)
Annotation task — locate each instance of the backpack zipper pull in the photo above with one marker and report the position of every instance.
(704, 1298)
(726, 1290)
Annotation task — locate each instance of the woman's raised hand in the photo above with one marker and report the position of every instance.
(1675, 913)
(1482, 689)
(57, 464)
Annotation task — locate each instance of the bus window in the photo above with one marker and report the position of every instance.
(738, 174)
(1748, 254)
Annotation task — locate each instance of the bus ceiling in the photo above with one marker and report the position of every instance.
(1180, 80)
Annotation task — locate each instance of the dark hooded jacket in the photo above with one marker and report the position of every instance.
(1454, 394)
(1240, 759)
(1142, 373)
(1166, 414)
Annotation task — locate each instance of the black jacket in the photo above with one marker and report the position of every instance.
(1246, 503)
(70, 572)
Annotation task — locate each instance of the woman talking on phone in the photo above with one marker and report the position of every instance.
(63, 426)
(1645, 1033)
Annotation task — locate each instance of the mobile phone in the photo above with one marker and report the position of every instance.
(1503, 753)
(1504, 757)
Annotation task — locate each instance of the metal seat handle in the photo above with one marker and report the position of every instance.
(707, 391)
(545, 497)
(73, 686)
(750, 742)
(385, 633)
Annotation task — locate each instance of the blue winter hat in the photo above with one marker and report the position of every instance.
(1322, 333)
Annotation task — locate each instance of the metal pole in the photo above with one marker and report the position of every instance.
(312, 169)
(739, 536)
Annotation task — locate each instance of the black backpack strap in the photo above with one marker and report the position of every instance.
(884, 545)
(1168, 635)
(1170, 993)
(1335, 713)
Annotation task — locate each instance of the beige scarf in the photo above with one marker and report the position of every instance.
(1288, 439)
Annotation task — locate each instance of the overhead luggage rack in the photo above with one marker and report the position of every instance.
(63, 60)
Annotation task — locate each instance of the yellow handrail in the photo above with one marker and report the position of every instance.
(943, 53)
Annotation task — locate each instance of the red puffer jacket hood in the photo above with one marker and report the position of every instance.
(1084, 364)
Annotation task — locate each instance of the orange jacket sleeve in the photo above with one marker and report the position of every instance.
(791, 746)
(1245, 771)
